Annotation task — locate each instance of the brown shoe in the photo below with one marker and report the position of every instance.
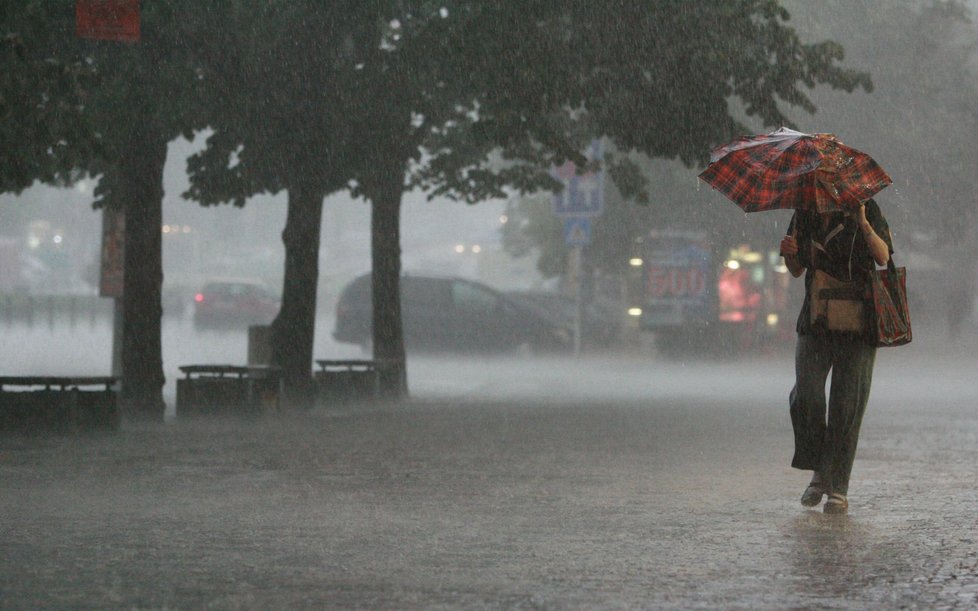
(836, 503)
(812, 495)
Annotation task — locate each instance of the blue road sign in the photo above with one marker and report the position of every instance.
(577, 231)
(583, 194)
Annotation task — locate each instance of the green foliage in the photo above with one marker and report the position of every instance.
(45, 134)
(297, 102)
(147, 89)
(656, 78)
(70, 106)
(663, 80)
(485, 97)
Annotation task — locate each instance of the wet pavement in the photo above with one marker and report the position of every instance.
(582, 484)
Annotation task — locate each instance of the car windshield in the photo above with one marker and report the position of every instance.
(235, 289)
(472, 298)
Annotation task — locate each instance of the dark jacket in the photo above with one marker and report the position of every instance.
(844, 254)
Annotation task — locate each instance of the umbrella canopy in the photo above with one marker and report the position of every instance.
(789, 169)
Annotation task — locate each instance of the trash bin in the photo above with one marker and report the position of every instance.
(219, 389)
(259, 345)
(346, 381)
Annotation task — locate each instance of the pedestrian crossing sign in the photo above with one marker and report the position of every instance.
(577, 231)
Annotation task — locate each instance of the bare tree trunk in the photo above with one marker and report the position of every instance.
(139, 179)
(388, 332)
(294, 328)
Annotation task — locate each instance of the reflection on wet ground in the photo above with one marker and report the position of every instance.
(601, 482)
(837, 558)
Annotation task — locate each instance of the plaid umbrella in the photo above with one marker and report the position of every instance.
(789, 169)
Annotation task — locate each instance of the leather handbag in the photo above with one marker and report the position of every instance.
(889, 315)
(836, 304)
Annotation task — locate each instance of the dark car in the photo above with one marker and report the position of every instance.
(450, 315)
(234, 304)
(600, 323)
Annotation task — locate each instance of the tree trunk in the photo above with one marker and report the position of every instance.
(294, 328)
(140, 184)
(388, 332)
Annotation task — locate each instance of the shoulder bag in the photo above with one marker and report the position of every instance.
(889, 315)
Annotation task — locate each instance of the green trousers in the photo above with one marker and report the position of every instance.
(826, 434)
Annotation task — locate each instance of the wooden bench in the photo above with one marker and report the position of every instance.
(59, 403)
(222, 389)
(345, 381)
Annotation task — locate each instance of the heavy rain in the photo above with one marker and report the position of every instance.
(579, 391)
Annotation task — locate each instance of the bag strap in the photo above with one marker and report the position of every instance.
(816, 245)
(892, 287)
(891, 267)
(852, 248)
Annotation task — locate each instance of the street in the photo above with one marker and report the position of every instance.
(595, 483)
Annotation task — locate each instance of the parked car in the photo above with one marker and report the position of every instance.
(232, 304)
(600, 323)
(451, 315)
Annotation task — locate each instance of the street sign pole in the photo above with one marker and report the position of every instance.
(577, 234)
(578, 297)
(580, 201)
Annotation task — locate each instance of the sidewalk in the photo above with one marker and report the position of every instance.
(684, 502)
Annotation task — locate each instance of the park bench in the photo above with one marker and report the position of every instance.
(345, 381)
(58, 403)
(224, 389)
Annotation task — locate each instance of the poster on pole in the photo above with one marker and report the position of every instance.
(107, 19)
(113, 252)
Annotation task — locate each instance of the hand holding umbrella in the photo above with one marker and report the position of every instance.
(789, 246)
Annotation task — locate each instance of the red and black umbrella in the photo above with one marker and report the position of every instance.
(789, 169)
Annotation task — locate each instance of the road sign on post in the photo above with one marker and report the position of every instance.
(577, 231)
(581, 199)
(583, 194)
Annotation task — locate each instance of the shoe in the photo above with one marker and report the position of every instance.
(836, 503)
(812, 495)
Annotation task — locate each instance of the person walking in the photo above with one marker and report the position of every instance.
(845, 245)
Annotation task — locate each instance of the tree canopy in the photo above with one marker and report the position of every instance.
(463, 98)
(113, 122)
(44, 95)
(677, 79)
(658, 78)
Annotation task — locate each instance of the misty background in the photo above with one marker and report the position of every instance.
(918, 122)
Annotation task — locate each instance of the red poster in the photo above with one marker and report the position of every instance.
(113, 252)
(108, 19)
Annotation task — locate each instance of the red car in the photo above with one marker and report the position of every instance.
(234, 304)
